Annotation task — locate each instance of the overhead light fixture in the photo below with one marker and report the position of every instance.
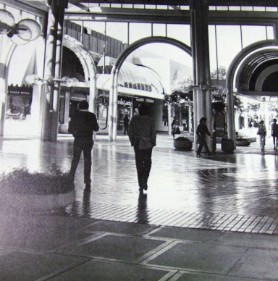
(24, 31)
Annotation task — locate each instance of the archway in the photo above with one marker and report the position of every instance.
(113, 94)
(248, 73)
(88, 64)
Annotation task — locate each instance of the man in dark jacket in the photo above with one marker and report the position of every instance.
(82, 125)
(142, 136)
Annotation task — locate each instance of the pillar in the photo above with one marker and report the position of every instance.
(230, 115)
(201, 65)
(52, 69)
(3, 90)
(115, 106)
(169, 119)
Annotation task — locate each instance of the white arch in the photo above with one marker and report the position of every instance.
(87, 62)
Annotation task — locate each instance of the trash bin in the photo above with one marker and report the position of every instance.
(227, 145)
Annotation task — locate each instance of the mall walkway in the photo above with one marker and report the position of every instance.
(201, 219)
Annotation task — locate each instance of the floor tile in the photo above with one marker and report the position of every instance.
(106, 271)
(187, 234)
(213, 277)
(121, 227)
(25, 266)
(202, 257)
(257, 263)
(249, 240)
(115, 247)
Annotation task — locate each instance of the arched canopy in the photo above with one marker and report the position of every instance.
(144, 41)
(254, 69)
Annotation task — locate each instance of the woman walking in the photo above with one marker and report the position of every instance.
(202, 131)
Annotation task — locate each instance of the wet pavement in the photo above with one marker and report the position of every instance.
(208, 218)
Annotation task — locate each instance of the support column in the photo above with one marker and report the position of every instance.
(3, 90)
(115, 106)
(93, 93)
(230, 115)
(52, 69)
(201, 65)
(169, 120)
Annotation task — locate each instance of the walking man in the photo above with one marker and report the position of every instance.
(82, 125)
(142, 136)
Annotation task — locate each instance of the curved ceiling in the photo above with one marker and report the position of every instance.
(257, 74)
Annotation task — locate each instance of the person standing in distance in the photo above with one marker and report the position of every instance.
(126, 124)
(202, 131)
(274, 133)
(142, 136)
(82, 125)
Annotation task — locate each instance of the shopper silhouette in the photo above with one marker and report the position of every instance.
(142, 136)
(202, 131)
(126, 124)
(82, 125)
(274, 133)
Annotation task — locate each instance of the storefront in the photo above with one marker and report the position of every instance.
(19, 100)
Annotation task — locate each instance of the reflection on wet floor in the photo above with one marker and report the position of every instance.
(226, 185)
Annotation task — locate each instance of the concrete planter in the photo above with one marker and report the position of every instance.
(38, 202)
(242, 142)
(183, 144)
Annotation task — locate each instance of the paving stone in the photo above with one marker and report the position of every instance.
(25, 266)
(115, 247)
(106, 271)
(42, 233)
(121, 227)
(257, 263)
(187, 234)
(213, 277)
(249, 240)
(202, 257)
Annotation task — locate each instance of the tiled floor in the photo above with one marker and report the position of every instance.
(201, 219)
(231, 192)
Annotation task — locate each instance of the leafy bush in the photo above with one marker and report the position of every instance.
(24, 182)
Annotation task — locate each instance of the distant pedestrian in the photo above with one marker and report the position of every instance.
(142, 136)
(202, 131)
(82, 125)
(274, 133)
(126, 124)
(262, 133)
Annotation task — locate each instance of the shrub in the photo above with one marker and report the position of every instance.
(24, 182)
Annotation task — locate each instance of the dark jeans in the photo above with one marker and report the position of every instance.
(143, 158)
(202, 143)
(84, 145)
